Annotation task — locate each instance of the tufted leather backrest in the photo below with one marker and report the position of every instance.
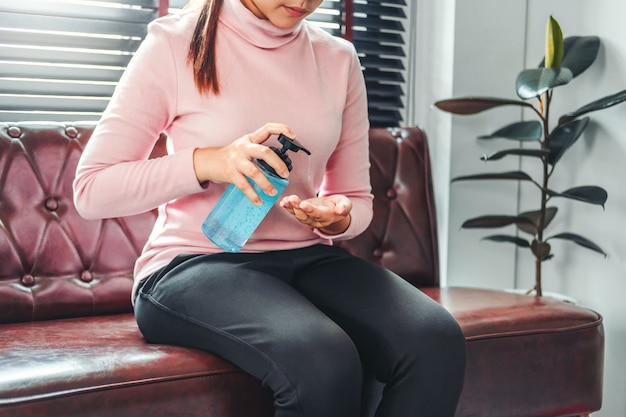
(403, 234)
(55, 264)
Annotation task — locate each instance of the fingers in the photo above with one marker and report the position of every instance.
(319, 213)
(290, 202)
(266, 154)
(236, 161)
(293, 205)
(314, 219)
(263, 133)
(246, 188)
(253, 180)
(343, 208)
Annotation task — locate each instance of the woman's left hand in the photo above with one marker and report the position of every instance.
(329, 214)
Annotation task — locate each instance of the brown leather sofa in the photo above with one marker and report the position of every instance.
(69, 345)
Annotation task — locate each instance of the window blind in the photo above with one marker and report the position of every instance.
(378, 37)
(377, 31)
(61, 59)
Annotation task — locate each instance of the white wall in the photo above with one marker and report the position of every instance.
(431, 72)
(477, 47)
(598, 159)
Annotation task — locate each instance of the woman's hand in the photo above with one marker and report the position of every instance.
(329, 214)
(232, 163)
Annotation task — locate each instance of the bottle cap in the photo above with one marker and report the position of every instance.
(288, 145)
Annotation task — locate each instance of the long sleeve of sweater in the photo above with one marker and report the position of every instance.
(114, 176)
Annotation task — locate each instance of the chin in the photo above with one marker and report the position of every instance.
(286, 23)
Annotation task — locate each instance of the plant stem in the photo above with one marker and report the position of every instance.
(544, 160)
(544, 187)
(538, 291)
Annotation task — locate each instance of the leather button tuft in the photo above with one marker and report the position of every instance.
(28, 280)
(72, 132)
(86, 276)
(51, 204)
(392, 194)
(377, 253)
(15, 132)
(397, 134)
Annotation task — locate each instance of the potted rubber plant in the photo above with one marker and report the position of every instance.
(545, 138)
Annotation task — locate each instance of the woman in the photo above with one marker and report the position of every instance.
(223, 79)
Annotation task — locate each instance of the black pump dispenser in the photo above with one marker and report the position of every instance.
(288, 145)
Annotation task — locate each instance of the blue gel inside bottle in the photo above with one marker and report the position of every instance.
(234, 218)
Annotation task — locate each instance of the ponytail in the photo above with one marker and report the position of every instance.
(202, 48)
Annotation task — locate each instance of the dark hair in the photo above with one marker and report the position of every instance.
(202, 48)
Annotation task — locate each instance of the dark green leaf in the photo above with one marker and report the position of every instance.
(582, 241)
(534, 82)
(493, 221)
(473, 105)
(511, 175)
(565, 136)
(510, 239)
(534, 217)
(538, 153)
(579, 53)
(522, 131)
(588, 194)
(600, 104)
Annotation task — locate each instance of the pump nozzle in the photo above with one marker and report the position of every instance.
(291, 145)
(288, 145)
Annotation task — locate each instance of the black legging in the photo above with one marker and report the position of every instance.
(306, 322)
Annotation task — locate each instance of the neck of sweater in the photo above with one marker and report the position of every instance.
(259, 32)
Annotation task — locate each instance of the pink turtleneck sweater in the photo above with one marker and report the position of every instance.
(301, 77)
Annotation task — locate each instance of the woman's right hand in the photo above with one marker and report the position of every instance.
(234, 162)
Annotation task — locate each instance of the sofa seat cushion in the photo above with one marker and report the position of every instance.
(97, 366)
(101, 366)
(521, 359)
(485, 313)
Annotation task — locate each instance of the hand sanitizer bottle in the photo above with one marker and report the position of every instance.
(234, 218)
